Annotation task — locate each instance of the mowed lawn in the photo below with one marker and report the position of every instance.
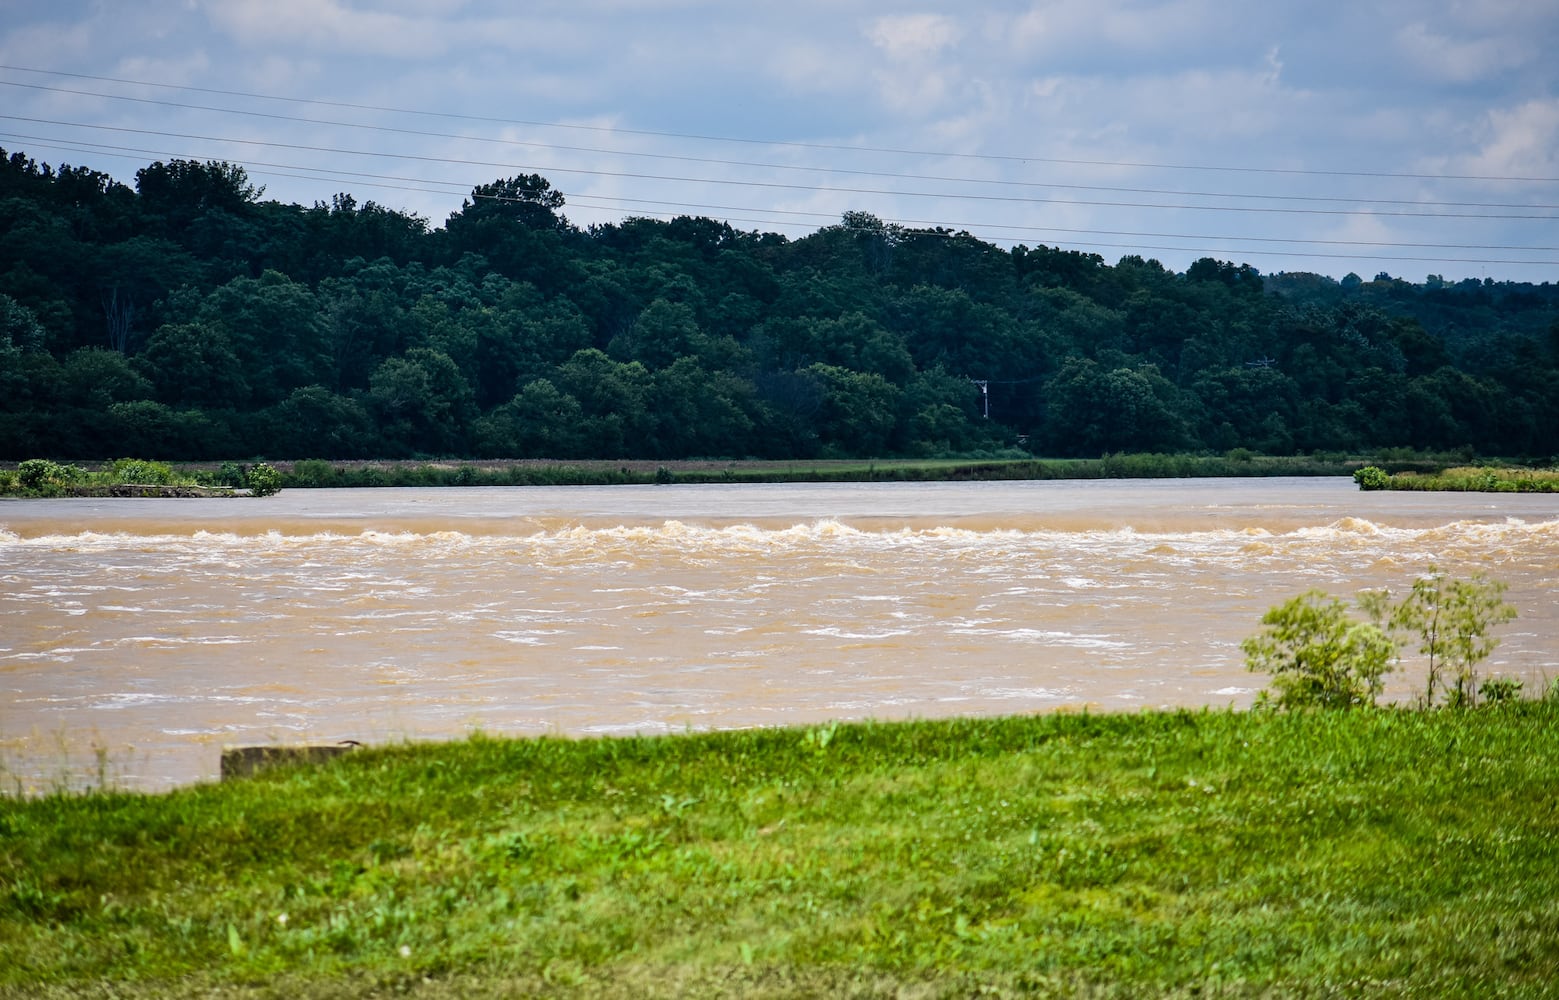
(1365, 853)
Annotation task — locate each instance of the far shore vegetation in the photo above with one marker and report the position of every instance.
(186, 315)
(1465, 479)
(1408, 470)
(128, 477)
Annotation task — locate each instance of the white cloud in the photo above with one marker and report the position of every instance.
(1089, 27)
(1522, 141)
(323, 24)
(329, 25)
(913, 36)
(809, 66)
(184, 67)
(48, 43)
(1460, 60)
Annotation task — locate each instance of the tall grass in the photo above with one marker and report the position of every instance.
(1480, 479)
(1379, 853)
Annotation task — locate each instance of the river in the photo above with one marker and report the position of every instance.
(140, 636)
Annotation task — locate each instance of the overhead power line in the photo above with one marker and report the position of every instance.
(788, 167)
(953, 229)
(774, 185)
(759, 179)
(1004, 158)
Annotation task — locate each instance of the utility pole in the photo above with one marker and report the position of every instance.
(985, 396)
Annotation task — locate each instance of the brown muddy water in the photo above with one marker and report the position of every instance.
(158, 631)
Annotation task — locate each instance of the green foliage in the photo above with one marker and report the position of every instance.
(46, 478)
(211, 324)
(1319, 657)
(1482, 479)
(141, 472)
(1452, 619)
(263, 480)
(313, 473)
(1500, 690)
(230, 474)
(1372, 478)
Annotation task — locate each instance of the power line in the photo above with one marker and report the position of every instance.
(418, 184)
(778, 185)
(1004, 158)
(791, 167)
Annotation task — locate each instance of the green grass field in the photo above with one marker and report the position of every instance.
(1368, 853)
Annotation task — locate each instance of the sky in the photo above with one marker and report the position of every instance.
(1411, 137)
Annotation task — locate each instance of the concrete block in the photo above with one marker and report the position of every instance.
(240, 762)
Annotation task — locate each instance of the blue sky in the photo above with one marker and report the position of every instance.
(1414, 138)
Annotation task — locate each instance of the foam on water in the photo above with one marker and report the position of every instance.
(697, 543)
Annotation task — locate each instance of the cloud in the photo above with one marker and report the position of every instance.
(1522, 141)
(810, 66)
(325, 24)
(183, 67)
(913, 36)
(1093, 30)
(1460, 60)
(48, 43)
(330, 25)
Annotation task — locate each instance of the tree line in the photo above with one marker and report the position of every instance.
(187, 317)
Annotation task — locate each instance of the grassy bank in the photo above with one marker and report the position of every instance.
(606, 473)
(1369, 853)
(315, 473)
(1464, 479)
(132, 477)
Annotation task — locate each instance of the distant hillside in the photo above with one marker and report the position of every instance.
(186, 318)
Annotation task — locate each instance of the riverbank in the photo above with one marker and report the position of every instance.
(317, 473)
(1462, 479)
(1380, 853)
(535, 472)
(133, 477)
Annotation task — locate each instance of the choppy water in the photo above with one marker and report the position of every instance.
(161, 630)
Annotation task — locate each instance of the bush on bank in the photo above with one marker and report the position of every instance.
(39, 477)
(1321, 657)
(1465, 479)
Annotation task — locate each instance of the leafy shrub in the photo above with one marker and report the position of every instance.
(39, 475)
(314, 473)
(141, 472)
(1452, 619)
(1497, 690)
(263, 480)
(1318, 656)
(1372, 478)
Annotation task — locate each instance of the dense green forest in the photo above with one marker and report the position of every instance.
(188, 318)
